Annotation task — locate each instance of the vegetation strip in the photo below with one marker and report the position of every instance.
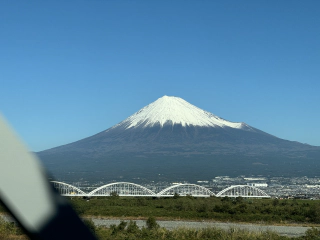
(265, 211)
(270, 211)
(170, 225)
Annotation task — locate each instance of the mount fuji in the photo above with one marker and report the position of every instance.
(171, 139)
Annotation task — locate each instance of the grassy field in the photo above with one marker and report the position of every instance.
(9, 231)
(152, 231)
(189, 208)
(271, 211)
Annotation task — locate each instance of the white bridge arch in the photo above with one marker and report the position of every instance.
(135, 190)
(67, 189)
(243, 191)
(186, 189)
(122, 189)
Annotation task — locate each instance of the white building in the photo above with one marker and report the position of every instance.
(257, 184)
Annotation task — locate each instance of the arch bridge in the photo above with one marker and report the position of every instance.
(134, 190)
(243, 191)
(122, 189)
(186, 189)
(68, 190)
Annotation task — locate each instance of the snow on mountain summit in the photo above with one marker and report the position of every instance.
(175, 110)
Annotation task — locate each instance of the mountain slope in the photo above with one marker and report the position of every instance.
(171, 132)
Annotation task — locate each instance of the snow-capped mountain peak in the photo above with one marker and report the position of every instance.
(175, 110)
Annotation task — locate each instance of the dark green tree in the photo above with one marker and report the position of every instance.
(152, 223)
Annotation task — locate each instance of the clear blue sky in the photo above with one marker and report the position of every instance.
(70, 69)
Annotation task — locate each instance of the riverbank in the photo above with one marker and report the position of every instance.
(295, 231)
(290, 231)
